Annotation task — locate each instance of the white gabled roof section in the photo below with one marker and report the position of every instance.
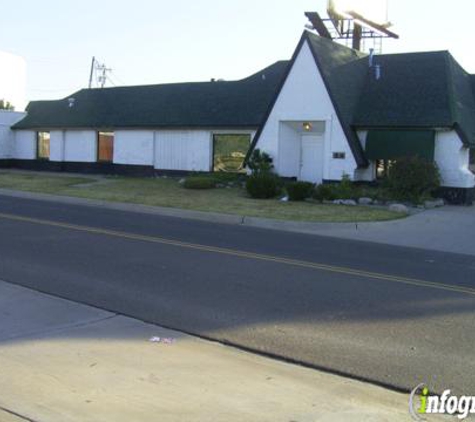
(304, 97)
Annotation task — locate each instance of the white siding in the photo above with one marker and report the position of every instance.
(25, 145)
(134, 147)
(56, 146)
(80, 146)
(452, 158)
(7, 136)
(305, 98)
(367, 174)
(289, 152)
(183, 150)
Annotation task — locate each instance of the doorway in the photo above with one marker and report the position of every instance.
(311, 158)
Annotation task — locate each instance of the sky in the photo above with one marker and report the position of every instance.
(157, 41)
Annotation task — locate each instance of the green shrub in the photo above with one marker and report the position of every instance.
(263, 185)
(223, 177)
(199, 182)
(260, 162)
(299, 191)
(412, 179)
(345, 189)
(324, 193)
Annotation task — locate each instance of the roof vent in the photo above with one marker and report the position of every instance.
(71, 102)
(264, 77)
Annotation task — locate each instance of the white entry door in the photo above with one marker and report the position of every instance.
(311, 158)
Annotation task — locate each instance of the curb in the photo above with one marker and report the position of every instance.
(122, 206)
(315, 228)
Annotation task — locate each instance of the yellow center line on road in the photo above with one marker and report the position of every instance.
(244, 254)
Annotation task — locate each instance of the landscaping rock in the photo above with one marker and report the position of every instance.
(434, 204)
(399, 208)
(344, 202)
(220, 186)
(181, 181)
(284, 199)
(365, 201)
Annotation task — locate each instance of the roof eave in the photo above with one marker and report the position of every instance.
(463, 136)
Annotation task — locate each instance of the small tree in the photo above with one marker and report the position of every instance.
(260, 162)
(6, 105)
(263, 183)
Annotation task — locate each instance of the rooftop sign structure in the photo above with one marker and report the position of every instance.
(354, 21)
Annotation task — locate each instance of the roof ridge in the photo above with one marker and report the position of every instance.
(310, 35)
(419, 53)
(345, 119)
(111, 88)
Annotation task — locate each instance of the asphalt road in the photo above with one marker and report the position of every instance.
(395, 316)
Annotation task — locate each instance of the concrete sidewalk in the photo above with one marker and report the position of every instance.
(61, 361)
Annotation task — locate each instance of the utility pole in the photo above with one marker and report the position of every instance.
(99, 71)
(92, 71)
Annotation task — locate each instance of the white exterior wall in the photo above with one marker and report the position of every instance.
(80, 146)
(304, 98)
(56, 145)
(189, 150)
(289, 157)
(7, 136)
(367, 174)
(134, 147)
(70, 145)
(453, 160)
(25, 145)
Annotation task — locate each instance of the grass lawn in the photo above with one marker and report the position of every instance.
(169, 193)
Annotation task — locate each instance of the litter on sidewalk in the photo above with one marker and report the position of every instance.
(163, 340)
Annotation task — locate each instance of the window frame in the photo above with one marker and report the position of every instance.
(98, 149)
(38, 139)
(213, 148)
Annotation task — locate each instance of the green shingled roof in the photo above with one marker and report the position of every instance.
(232, 104)
(344, 73)
(418, 90)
